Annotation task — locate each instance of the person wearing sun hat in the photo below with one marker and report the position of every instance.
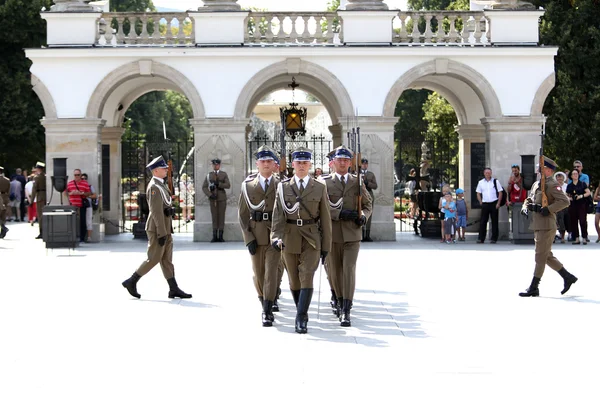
(543, 223)
(159, 228)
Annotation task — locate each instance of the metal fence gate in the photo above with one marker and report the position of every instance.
(318, 144)
(136, 154)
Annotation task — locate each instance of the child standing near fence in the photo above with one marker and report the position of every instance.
(462, 214)
(449, 208)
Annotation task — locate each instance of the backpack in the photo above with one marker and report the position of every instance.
(504, 194)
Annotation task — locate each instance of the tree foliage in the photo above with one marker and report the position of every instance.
(131, 5)
(22, 140)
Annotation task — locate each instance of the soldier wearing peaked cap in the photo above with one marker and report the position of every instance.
(255, 212)
(371, 184)
(39, 193)
(343, 190)
(214, 187)
(543, 224)
(4, 200)
(302, 231)
(159, 228)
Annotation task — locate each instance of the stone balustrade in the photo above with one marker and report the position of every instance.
(295, 28)
(145, 29)
(441, 28)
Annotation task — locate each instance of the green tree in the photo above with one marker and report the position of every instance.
(573, 106)
(22, 139)
(131, 5)
(441, 131)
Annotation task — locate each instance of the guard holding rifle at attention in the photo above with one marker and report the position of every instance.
(350, 208)
(214, 187)
(371, 184)
(159, 228)
(302, 231)
(545, 200)
(255, 212)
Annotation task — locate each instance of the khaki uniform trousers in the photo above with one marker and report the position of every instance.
(265, 264)
(342, 268)
(39, 205)
(368, 224)
(301, 267)
(217, 212)
(6, 211)
(158, 254)
(280, 269)
(543, 252)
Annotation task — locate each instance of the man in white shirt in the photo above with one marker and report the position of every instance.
(489, 196)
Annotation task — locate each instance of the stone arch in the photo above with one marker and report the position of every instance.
(462, 72)
(45, 97)
(143, 68)
(542, 94)
(312, 78)
(457, 105)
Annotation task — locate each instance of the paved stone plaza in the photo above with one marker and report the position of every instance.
(430, 321)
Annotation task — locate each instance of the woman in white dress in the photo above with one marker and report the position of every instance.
(186, 197)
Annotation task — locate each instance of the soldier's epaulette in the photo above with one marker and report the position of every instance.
(352, 175)
(251, 177)
(285, 180)
(327, 176)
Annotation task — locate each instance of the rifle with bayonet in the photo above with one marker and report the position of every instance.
(543, 177)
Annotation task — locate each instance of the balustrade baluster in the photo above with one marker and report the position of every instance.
(488, 28)
(132, 36)
(478, 32)
(416, 34)
(465, 30)
(120, 30)
(270, 36)
(319, 28)
(403, 35)
(452, 33)
(306, 36)
(246, 29)
(169, 33)
(293, 32)
(428, 34)
(181, 34)
(144, 36)
(281, 36)
(330, 30)
(156, 33)
(108, 34)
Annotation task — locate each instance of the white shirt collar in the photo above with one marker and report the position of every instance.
(340, 177)
(161, 180)
(262, 179)
(304, 181)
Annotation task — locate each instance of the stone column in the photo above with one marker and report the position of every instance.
(220, 5)
(336, 134)
(468, 134)
(377, 145)
(77, 140)
(366, 5)
(114, 215)
(222, 138)
(508, 138)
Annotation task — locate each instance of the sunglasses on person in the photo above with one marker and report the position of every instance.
(515, 166)
(77, 174)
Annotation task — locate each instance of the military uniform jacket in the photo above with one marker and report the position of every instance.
(254, 200)
(370, 182)
(346, 198)
(316, 205)
(4, 189)
(557, 200)
(223, 181)
(38, 192)
(159, 200)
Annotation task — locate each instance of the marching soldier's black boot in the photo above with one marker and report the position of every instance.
(368, 236)
(533, 290)
(296, 296)
(345, 317)
(214, 239)
(333, 302)
(130, 285)
(40, 235)
(4, 230)
(220, 236)
(275, 307)
(338, 309)
(267, 315)
(568, 278)
(260, 298)
(174, 290)
(302, 314)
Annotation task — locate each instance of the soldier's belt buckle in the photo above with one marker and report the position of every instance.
(265, 216)
(299, 222)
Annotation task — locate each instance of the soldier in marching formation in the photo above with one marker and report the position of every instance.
(543, 225)
(301, 231)
(214, 187)
(159, 228)
(255, 212)
(350, 208)
(371, 184)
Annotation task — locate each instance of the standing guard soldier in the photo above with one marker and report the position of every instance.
(544, 227)
(302, 231)
(371, 184)
(39, 193)
(214, 187)
(159, 228)
(255, 211)
(344, 190)
(4, 199)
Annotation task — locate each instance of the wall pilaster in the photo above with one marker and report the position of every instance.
(222, 138)
(377, 145)
(112, 137)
